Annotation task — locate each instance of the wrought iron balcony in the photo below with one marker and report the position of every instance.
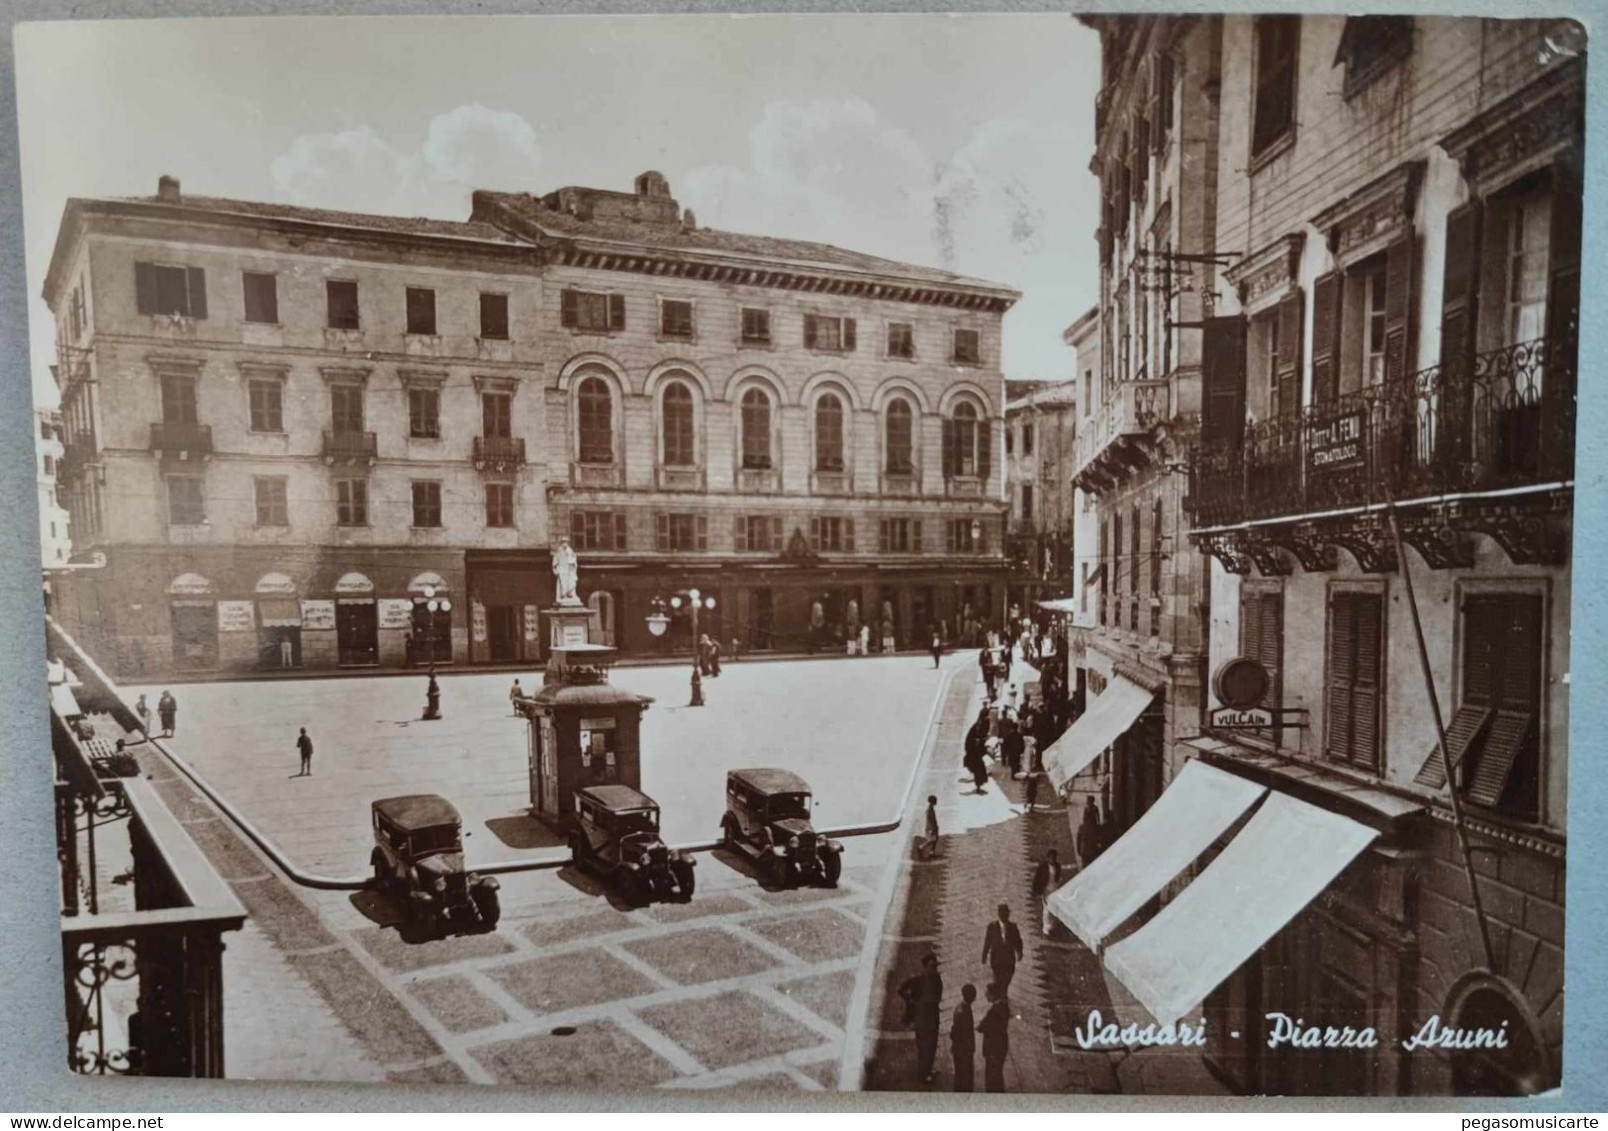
(499, 452)
(181, 441)
(1505, 419)
(350, 447)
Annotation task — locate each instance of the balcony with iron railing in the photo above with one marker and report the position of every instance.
(1132, 410)
(350, 447)
(499, 453)
(186, 440)
(1504, 420)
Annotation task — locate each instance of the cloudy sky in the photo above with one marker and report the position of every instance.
(957, 141)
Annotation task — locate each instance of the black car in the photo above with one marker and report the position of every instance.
(616, 836)
(418, 857)
(768, 820)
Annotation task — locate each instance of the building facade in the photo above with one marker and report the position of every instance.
(312, 439)
(1040, 446)
(1379, 496)
(55, 533)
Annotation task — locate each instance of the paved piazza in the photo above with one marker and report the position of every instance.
(849, 727)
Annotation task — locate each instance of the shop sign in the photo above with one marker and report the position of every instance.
(477, 621)
(396, 612)
(1250, 718)
(1337, 444)
(237, 616)
(597, 739)
(318, 616)
(533, 624)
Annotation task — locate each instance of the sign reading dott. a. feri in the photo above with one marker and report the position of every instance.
(1337, 444)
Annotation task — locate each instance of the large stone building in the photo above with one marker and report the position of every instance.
(55, 537)
(1396, 204)
(313, 438)
(1040, 446)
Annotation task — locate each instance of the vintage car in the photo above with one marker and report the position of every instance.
(418, 857)
(616, 836)
(768, 820)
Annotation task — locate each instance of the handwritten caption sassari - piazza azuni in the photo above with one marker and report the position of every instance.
(1284, 1031)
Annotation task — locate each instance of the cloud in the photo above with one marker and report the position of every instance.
(463, 149)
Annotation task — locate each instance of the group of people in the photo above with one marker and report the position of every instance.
(167, 710)
(923, 995)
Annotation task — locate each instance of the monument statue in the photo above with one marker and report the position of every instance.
(567, 572)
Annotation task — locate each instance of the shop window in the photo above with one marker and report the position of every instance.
(1353, 707)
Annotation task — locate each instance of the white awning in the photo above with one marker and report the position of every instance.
(1285, 856)
(64, 701)
(1197, 808)
(1060, 605)
(1110, 713)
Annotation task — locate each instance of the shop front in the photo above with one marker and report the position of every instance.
(506, 595)
(193, 610)
(278, 623)
(357, 621)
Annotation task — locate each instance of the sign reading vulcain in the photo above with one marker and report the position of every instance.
(1336, 444)
(1250, 718)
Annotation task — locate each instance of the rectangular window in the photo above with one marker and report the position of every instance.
(832, 534)
(1277, 44)
(1529, 231)
(1352, 711)
(426, 503)
(597, 530)
(965, 536)
(351, 502)
(497, 415)
(900, 536)
(592, 311)
(1502, 642)
(1155, 569)
(968, 348)
(675, 319)
(346, 409)
(262, 296)
(340, 298)
(1373, 329)
(273, 509)
(424, 413)
(499, 504)
(178, 399)
(1027, 438)
(267, 406)
(1027, 502)
(1262, 638)
(1370, 46)
(833, 335)
(682, 533)
(901, 340)
(185, 504)
(163, 289)
(758, 533)
(494, 317)
(421, 310)
(756, 327)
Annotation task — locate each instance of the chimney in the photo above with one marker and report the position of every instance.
(689, 221)
(167, 188)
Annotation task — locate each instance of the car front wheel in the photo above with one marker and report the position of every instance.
(831, 868)
(628, 886)
(686, 880)
(489, 905)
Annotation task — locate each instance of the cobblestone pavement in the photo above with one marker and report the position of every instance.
(740, 986)
(989, 848)
(370, 743)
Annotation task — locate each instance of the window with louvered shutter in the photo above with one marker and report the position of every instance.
(848, 535)
(619, 531)
(1326, 337)
(1353, 704)
(739, 533)
(1502, 641)
(1262, 640)
(1223, 379)
(703, 532)
(662, 532)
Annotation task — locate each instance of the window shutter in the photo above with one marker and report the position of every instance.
(145, 288)
(703, 531)
(985, 436)
(1563, 316)
(950, 535)
(815, 535)
(577, 528)
(1289, 365)
(1251, 625)
(811, 331)
(848, 535)
(1481, 639)
(1342, 673)
(1466, 726)
(568, 307)
(1510, 732)
(776, 533)
(1366, 690)
(883, 536)
(1399, 272)
(739, 533)
(950, 448)
(616, 312)
(1459, 302)
(662, 532)
(196, 278)
(619, 531)
(1223, 379)
(1326, 337)
(915, 536)
(1520, 653)
(848, 335)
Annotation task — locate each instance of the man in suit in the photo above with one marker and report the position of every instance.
(995, 1028)
(963, 1039)
(923, 996)
(1002, 949)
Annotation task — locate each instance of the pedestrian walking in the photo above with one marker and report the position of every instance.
(143, 710)
(1046, 882)
(1033, 774)
(923, 996)
(963, 1039)
(703, 654)
(888, 643)
(976, 743)
(305, 746)
(927, 847)
(865, 640)
(714, 657)
(167, 709)
(937, 646)
(515, 694)
(995, 1028)
(1090, 836)
(985, 661)
(1011, 743)
(1002, 949)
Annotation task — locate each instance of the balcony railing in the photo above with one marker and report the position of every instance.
(1133, 408)
(356, 447)
(1506, 419)
(181, 440)
(499, 451)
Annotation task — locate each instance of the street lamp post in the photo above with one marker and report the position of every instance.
(433, 605)
(659, 622)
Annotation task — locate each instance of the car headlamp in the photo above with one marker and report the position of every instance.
(792, 842)
(644, 860)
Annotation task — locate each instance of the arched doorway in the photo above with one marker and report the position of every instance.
(357, 620)
(1486, 1004)
(194, 611)
(602, 604)
(279, 622)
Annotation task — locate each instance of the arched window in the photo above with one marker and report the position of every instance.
(900, 426)
(596, 421)
(679, 450)
(966, 443)
(756, 431)
(828, 433)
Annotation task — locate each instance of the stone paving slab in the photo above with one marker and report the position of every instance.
(287, 920)
(825, 995)
(395, 952)
(375, 1017)
(696, 956)
(454, 1001)
(729, 1028)
(598, 1055)
(558, 982)
(817, 936)
(543, 931)
(436, 1072)
(700, 907)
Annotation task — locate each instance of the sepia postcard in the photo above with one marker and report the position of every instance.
(809, 553)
